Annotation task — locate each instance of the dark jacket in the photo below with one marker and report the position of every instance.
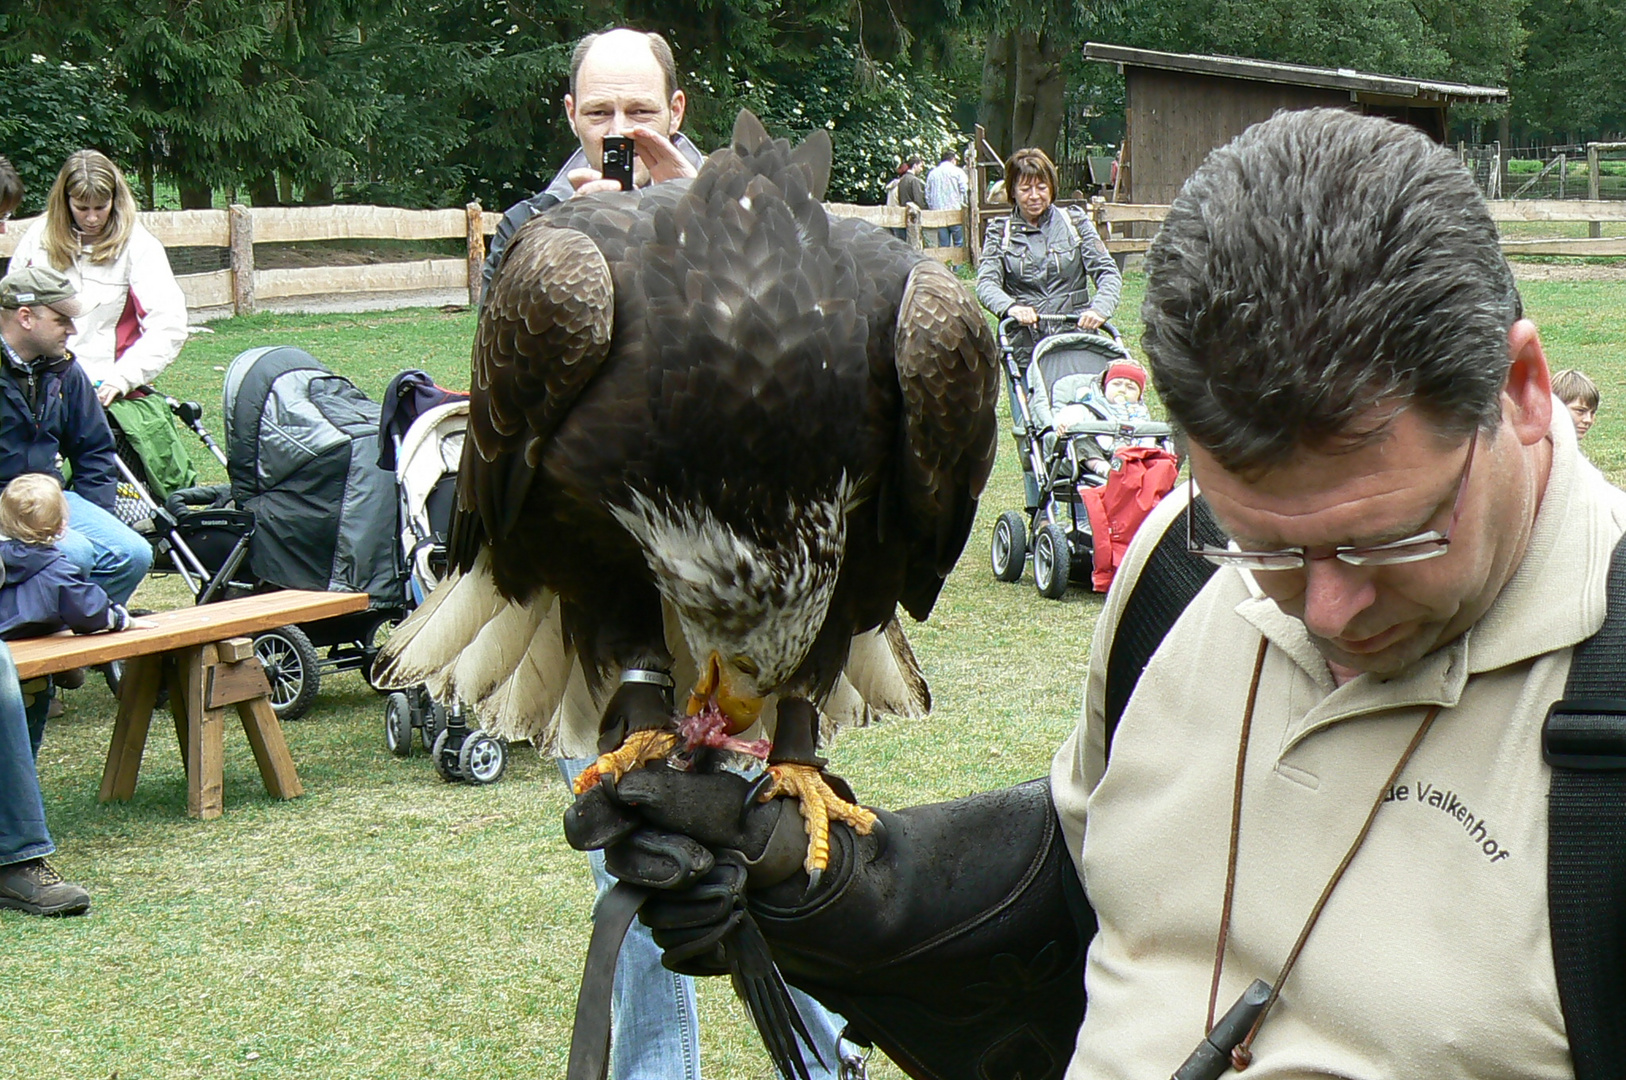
(44, 593)
(911, 189)
(49, 407)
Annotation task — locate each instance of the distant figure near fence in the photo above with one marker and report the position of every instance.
(946, 190)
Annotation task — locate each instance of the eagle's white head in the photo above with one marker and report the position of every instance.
(750, 612)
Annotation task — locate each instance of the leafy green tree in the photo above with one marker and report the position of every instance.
(50, 109)
(1468, 40)
(1571, 85)
(1025, 72)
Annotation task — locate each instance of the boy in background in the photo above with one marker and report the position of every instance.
(1580, 395)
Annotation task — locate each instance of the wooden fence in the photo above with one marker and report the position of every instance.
(1108, 216)
(241, 287)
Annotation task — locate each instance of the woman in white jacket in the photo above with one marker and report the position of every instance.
(135, 316)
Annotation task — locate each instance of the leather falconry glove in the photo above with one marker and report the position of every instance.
(953, 937)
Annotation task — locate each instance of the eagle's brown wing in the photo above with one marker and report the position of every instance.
(950, 381)
(543, 335)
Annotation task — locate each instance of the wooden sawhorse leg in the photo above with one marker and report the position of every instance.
(139, 692)
(238, 679)
(204, 749)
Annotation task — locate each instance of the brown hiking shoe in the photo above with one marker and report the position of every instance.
(35, 887)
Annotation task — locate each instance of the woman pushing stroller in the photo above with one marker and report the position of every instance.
(1040, 259)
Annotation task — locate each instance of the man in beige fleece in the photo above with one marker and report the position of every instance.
(1329, 776)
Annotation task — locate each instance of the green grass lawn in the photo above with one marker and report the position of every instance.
(390, 925)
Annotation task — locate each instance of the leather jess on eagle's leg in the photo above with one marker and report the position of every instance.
(953, 937)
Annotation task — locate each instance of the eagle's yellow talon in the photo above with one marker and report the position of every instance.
(640, 747)
(820, 804)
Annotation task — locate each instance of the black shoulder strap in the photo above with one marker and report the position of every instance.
(1168, 582)
(1584, 740)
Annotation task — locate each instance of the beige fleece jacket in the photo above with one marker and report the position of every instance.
(1433, 957)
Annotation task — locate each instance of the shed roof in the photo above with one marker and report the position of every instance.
(1356, 82)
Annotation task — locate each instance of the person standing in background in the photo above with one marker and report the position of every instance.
(946, 188)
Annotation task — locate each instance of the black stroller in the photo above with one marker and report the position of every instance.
(307, 508)
(1056, 465)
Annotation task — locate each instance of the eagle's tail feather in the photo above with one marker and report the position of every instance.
(523, 704)
(885, 673)
(462, 604)
(843, 707)
(497, 650)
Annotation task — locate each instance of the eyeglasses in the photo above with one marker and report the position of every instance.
(1424, 545)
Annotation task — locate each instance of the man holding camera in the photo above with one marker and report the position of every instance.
(623, 83)
(1328, 791)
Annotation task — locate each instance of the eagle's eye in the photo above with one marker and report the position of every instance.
(746, 666)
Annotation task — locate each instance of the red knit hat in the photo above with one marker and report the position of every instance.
(1125, 369)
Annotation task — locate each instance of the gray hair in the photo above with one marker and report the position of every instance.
(1320, 264)
(658, 47)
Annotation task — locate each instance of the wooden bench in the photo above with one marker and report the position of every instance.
(204, 656)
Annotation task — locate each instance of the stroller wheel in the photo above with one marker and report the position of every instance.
(482, 758)
(444, 756)
(292, 666)
(1052, 561)
(398, 724)
(1008, 551)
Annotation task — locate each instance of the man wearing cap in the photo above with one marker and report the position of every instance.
(48, 407)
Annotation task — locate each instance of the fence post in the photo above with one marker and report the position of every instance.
(1563, 173)
(911, 226)
(1594, 229)
(477, 251)
(970, 227)
(241, 229)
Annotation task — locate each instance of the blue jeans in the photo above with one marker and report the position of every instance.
(654, 1029)
(111, 554)
(22, 812)
(951, 236)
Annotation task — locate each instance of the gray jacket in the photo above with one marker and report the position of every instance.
(1047, 266)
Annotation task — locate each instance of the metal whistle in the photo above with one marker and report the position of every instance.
(1212, 1058)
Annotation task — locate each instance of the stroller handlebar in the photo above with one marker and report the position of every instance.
(1056, 324)
(209, 497)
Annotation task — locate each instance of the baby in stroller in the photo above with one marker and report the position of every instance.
(1079, 399)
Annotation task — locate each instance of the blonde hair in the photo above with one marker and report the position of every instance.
(1571, 385)
(33, 509)
(89, 176)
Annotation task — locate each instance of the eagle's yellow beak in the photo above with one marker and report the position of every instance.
(715, 683)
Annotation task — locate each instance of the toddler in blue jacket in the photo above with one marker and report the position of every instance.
(43, 592)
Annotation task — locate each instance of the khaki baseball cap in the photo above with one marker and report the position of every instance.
(40, 286)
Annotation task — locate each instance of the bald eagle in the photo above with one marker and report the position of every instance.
(717, 438)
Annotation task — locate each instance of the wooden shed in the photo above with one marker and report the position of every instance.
(1178, 106)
